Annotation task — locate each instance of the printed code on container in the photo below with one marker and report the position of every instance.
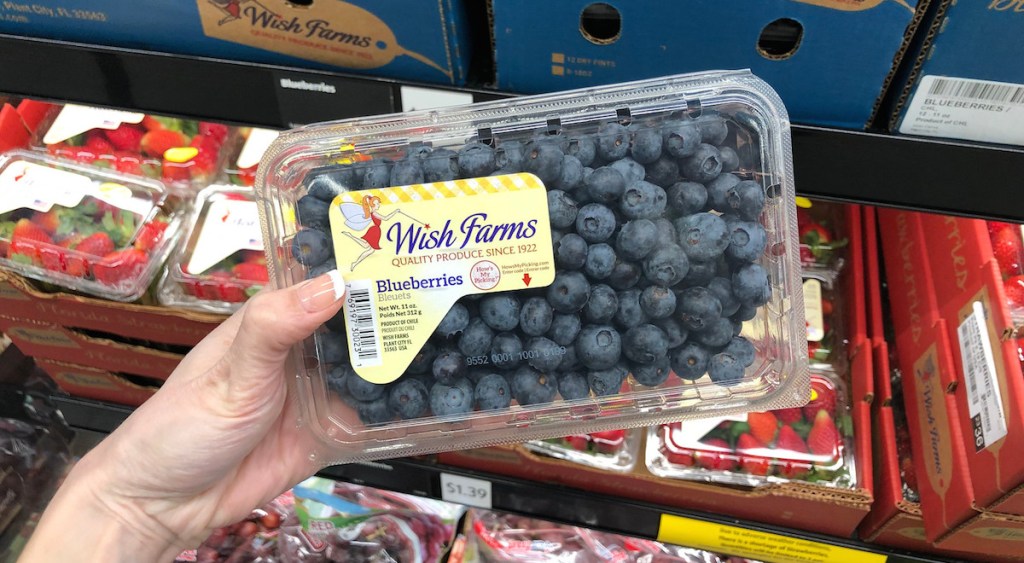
(363, 325)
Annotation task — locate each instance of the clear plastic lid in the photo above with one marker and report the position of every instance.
(543, 266)
(221, 263)
(614, 450)
(89, 230)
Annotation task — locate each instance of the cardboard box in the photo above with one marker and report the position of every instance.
(993, 536)
(20, 299)
(92, 383)
(54, 342)
(830, 60)
(948, 90)
(406, 39)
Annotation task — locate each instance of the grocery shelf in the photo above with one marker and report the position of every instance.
(943, 176)
(423, 477)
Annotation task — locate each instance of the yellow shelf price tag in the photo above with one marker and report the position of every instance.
(764, 546)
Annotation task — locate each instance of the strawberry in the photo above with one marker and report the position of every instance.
(996, 227)
(822, 398)
(1014, 287)
(150, 234)
(49, 221)
(52, 258)
(763, 426)
(251, 272)
(97, 142)
(753, 464)
(119, 266)
(823, 440)
(679, 456)
(174, 172)
(1007, 249)
(156, 143)
(151, 123)
(578, 443)
(27, 239)
(254, 256)
(71, 241)
(717, 457)
(127, 137)
(223, 288)
(215, 131)
(789, 416)
(814, 234)
(790, 441)
(96, 244)
(793, 469)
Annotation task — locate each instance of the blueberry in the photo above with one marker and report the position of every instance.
(569, 292)
(624, 274)
(448, 400)
(500, 311)
(737, 327)
(377, 174)
(630, 313)
(322, 269)
(535, 316)
(718, 191)
(716, 334)
(705, 164)
(569, 360)
(666, 266)
(741, 349)
(697, 308)
(730, 160)
(510, 156)
(690, 361)
(646, 145)
(337, 379)
(328, 185)
(600, 261)
(724, 369)
(476, 339)
(423, 361)
(700, 273)
(645, 344)
(374, 412)
(713, 129)
(746, 199)
(662, 172)
(363, 390)
(571, 252)
(674, 332)
(448, 366)
(454, 321)
(595, 222)
(407, 172)
(749, 282)
(653, 374)
(607, 381)
(681, 138)
(603, 304)
(554, 138)
(612, 141)
(722, 290)
(643, 200)
(313, 213)
(545, 161)
(311, 247)
(506, 350)
(492, 392)
(409, 398)
(543, 354)
(657, 302)
(687, 198)
(573, 385)
(631, 170)
(583, 148)
(703, 236)
(636, 239)
(419, 151)
(747, 241)
(476, 160)
(598, 346)
(605, 185)
(572, 173)
(333, 347)
(441, 166)
(745, 313)
(666, 232)
(532, 387)
(564, 328)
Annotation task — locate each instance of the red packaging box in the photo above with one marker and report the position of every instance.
(92, 383)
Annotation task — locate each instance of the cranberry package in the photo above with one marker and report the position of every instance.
(811, 443)
(221, 263)
(240, 167)
(614, 450)
(85, 229)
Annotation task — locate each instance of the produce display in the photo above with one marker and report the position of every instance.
(811, 444)
(615, 450)
(221, 263)
(667, 255)
(88, 230)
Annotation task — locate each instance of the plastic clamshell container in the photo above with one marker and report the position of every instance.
(811, 443)
(88, 230)
(184, 154)
(240, 166)
(308, 173)
(613, 450)
(221, 261)
(823, 240)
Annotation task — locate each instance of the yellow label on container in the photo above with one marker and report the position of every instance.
(409, 253)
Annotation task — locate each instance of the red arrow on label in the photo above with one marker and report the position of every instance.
(526, 278)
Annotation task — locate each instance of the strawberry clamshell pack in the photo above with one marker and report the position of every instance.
(545, 266)
(85, 229)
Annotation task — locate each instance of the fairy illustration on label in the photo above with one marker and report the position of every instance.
(359, 216)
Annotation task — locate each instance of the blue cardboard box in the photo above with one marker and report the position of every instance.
(405, 39)
(966, 77)
(828, 59)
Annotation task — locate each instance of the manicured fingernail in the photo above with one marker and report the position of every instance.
(321, 292)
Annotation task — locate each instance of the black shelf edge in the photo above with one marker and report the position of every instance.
(936, 175)
(578, 507)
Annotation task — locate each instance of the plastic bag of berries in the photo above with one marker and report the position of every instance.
(253, 540)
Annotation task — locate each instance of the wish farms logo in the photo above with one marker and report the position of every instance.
(260, 16)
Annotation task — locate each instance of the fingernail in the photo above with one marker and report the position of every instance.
(321, 292)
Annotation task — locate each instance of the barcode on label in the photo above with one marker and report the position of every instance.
(363, 326)
(977, 90)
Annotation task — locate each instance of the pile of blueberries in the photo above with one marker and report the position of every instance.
(656, 241)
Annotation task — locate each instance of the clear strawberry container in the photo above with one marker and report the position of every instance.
(823, 241)
(240, 166)
(826, 343)
(182, 153)
(81, 228)
(812, 444)
(613, 450)
(221, 262)
(544, 266)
